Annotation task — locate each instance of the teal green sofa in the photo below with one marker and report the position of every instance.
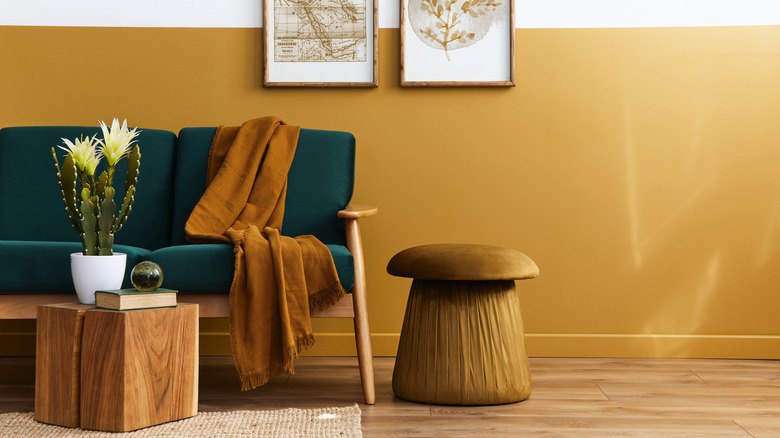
(36, 237)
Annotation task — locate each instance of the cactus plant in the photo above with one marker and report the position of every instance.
(91, 208)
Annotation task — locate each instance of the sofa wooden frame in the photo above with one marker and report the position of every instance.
(24, 306)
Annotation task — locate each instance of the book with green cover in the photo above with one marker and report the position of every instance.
(133, 299)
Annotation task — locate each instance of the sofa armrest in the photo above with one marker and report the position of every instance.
(357, 211)
(351, 214)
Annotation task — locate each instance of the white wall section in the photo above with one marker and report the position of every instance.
(132, 13)
(645, 13)
(529, 13)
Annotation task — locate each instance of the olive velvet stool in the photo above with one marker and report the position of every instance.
(462, 340)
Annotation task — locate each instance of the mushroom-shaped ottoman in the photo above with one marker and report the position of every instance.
(462, 340)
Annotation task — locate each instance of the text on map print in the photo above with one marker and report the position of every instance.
(320, 31)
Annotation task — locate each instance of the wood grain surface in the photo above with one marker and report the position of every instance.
(139, 368)
(211, 305)
(25, 305)
(571, 398)
(218, 306)
(58, 362)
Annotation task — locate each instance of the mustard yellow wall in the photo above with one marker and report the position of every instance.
(640, 168)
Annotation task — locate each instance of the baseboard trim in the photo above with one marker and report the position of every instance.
(654, 345)
(538, 345)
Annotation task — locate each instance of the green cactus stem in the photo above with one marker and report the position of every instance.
(91, 185)
(83, 180)
(124, 211)
(88, 224)
(101, 185)
(106, 222)
(67, 181)
(133, 169)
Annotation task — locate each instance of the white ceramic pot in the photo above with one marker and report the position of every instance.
(91, 273)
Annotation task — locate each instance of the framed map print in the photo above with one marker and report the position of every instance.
(320, 43)
(451, 43)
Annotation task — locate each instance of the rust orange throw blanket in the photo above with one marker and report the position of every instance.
(278, 280)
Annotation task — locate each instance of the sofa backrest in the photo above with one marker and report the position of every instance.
(319, 183)
(30, 200)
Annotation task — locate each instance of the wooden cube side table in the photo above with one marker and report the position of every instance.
(139, 367)
(134, 368)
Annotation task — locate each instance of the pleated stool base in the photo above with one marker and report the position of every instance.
(462, 343)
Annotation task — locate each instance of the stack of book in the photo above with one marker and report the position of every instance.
(132, 299)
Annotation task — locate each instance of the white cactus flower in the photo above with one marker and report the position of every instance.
(85, 153)
(117, 141)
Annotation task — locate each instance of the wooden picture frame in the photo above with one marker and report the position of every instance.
(457, 43)
(320, 46)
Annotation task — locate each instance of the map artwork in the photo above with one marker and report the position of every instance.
(320, 31)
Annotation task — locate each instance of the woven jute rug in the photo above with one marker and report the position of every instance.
(327, 422)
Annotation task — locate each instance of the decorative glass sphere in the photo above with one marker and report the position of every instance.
(147, 276)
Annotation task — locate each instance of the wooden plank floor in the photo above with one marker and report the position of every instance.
(571, 398)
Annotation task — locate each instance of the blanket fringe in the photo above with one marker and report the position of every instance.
(324, 298)
(252, 380)
(257, 378)
(303, 343)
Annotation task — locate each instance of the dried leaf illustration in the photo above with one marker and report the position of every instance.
(454, 24)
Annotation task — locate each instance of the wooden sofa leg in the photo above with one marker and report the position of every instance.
(362, 331)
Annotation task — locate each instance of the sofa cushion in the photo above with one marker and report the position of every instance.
(320, 182)
(208, 268)
(31, 200)
(44, 267)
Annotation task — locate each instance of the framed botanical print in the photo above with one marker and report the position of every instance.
(320, 43)
(451, 43)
